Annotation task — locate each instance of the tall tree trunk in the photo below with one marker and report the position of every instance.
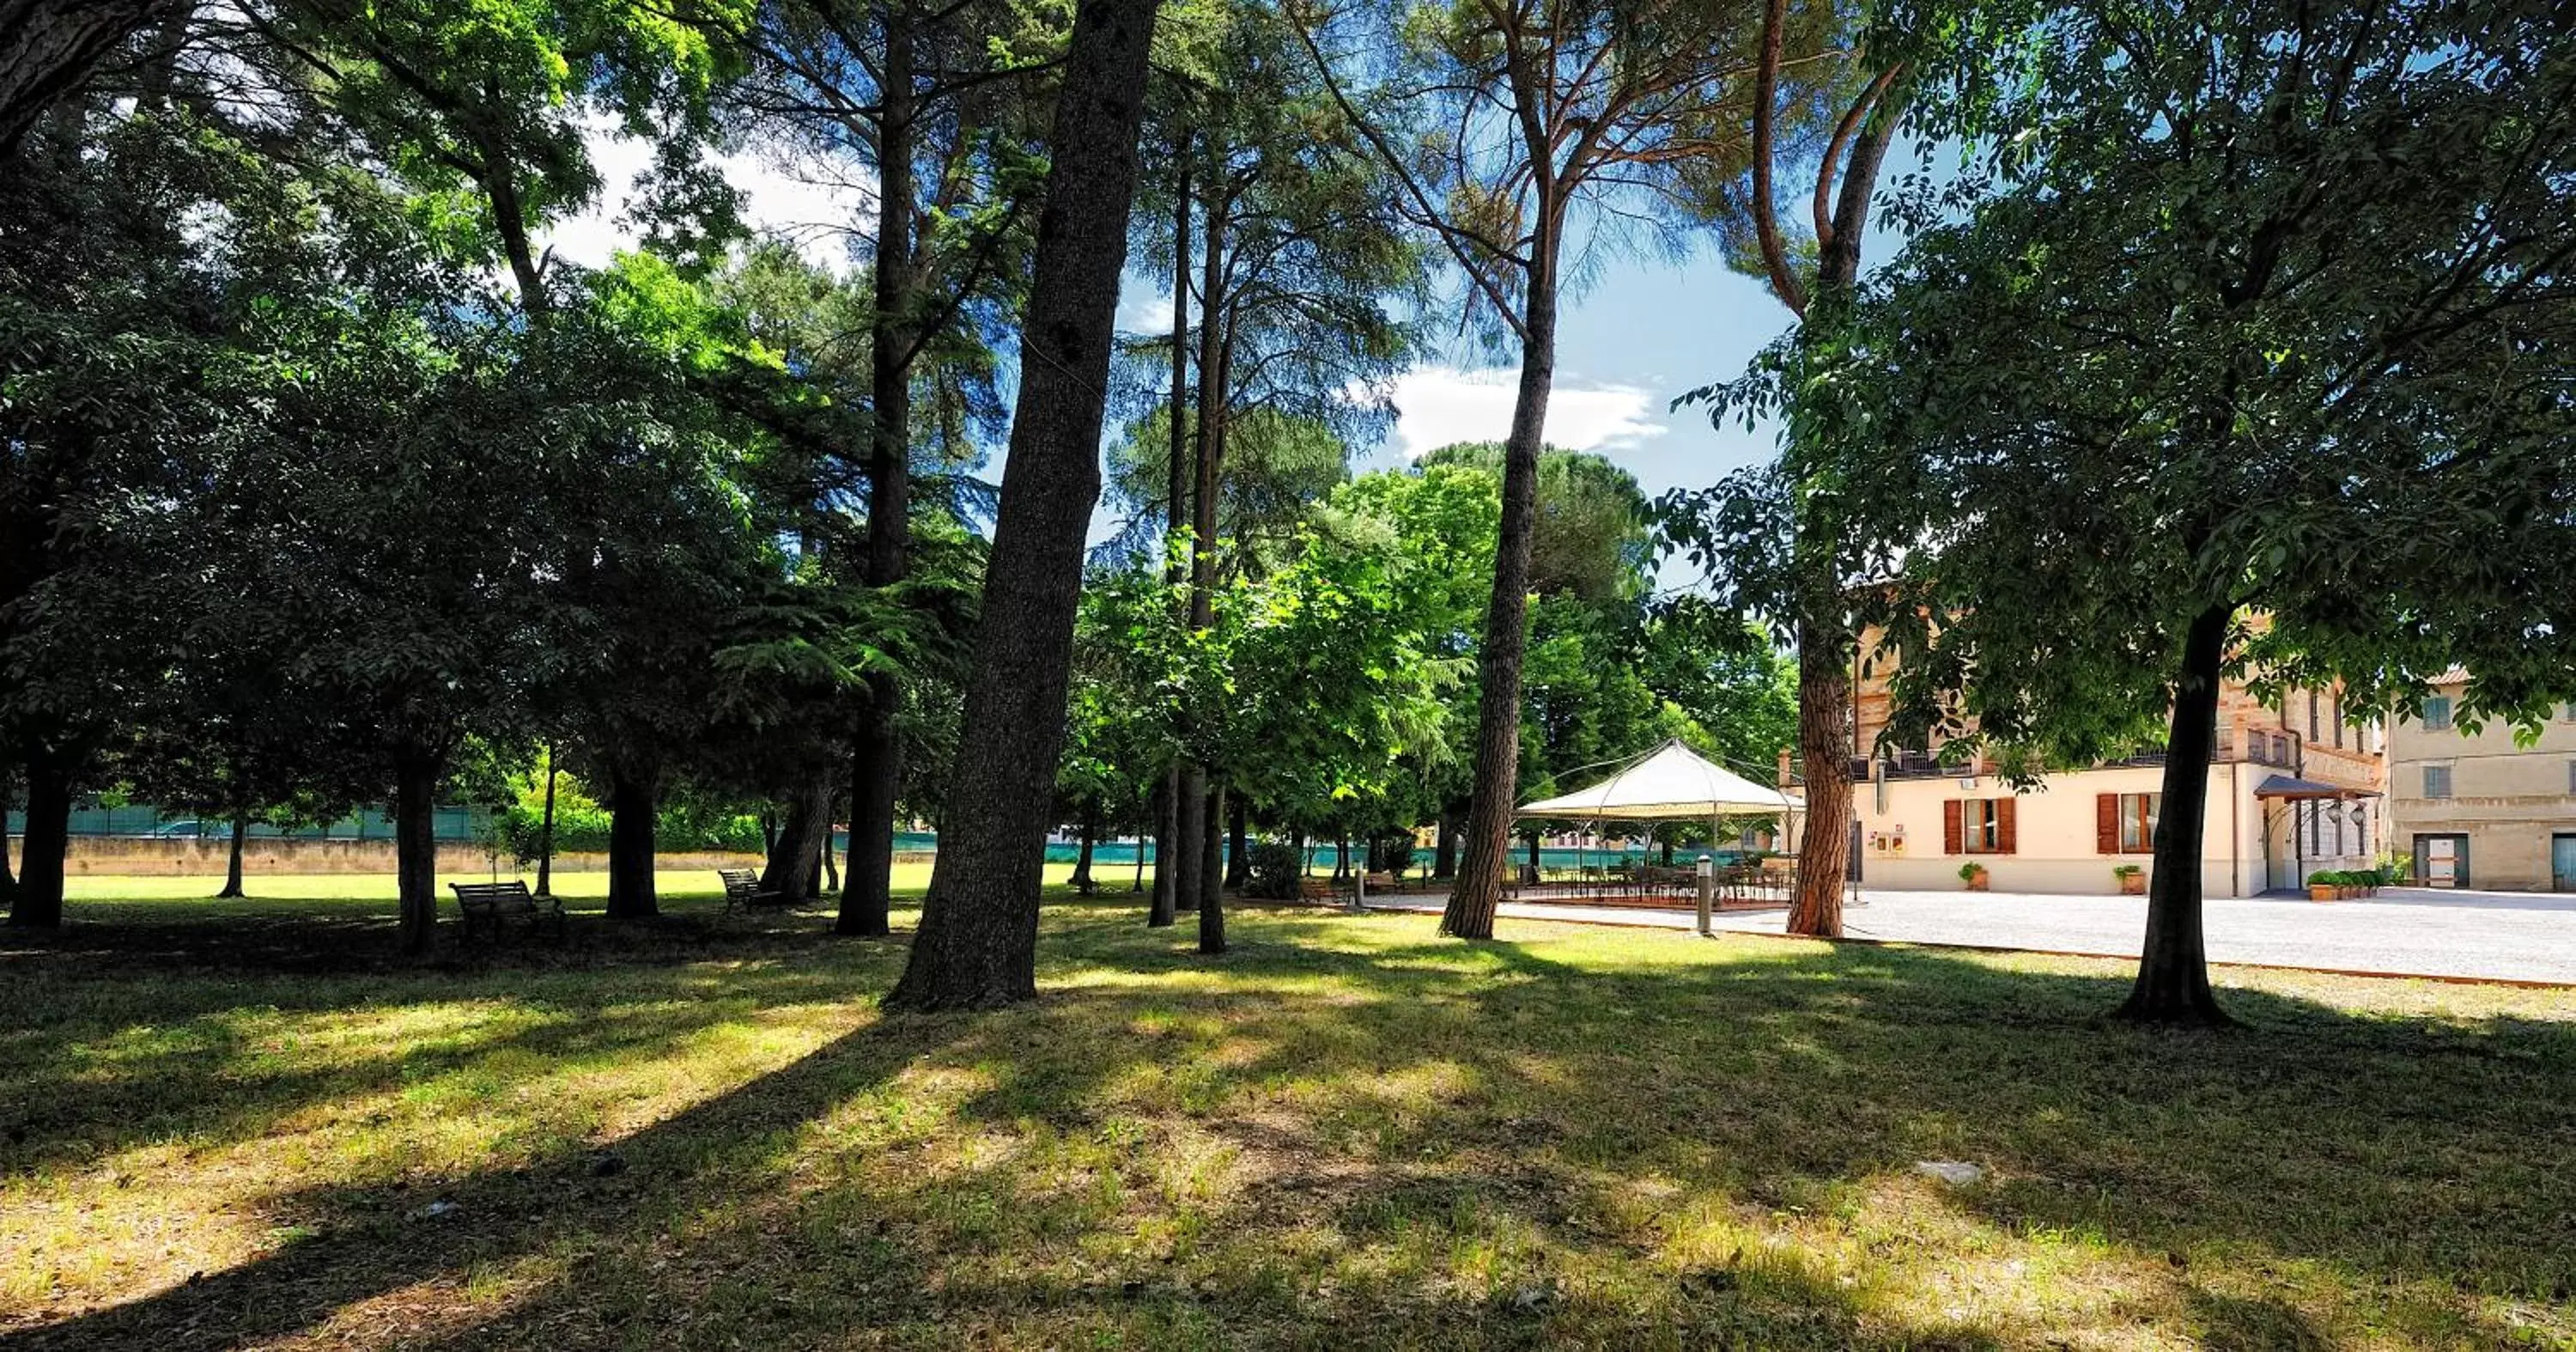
(1535, 866)
(1212, 901)
(831, 869)
(1212, 849)
(41, 849)
(416, 846)
(233, 857)
(868, 898)
(1165, 907)
(1138, 885)
(1479, 889)
(1444, 851)
(546, 832)
(2173, 970)
(1168, 867)
(977, 945)
(634, 794)
(1825, 747)
(795, 862)
(1342, 856)
(1238, 842)
(1189, 818)
(1082, 883)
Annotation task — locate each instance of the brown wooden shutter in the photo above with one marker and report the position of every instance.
(1950, 830)
(2004, 825)
(2106, 823)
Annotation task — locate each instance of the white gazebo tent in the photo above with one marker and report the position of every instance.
(1670, 783)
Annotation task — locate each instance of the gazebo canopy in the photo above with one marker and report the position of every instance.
(1673, 783)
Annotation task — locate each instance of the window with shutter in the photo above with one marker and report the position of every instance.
(2005, 810)
(1951, 812)
(2106, 823)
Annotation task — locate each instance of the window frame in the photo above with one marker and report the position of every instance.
(1972, 839)
(2138, 812)
(2449, 789)
(2424, 713)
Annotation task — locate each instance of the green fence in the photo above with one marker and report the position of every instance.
(138, 819)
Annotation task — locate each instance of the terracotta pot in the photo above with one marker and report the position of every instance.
(1979, 882)
(2321, 892)
(2133, 884)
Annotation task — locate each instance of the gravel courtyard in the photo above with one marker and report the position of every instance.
(2402, 931)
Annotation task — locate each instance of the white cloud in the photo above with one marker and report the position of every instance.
(1144, 311)
(1436, 405)
(780, 197)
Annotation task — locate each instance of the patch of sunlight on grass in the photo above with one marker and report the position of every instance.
(1347, 1131)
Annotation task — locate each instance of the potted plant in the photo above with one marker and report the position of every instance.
(2133, 880)
(2321, 885)
(1974, 875)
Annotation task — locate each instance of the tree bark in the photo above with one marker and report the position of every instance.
(1212, 850)
(1164, 909)
(634, 795)
(41, 849)
(233, 857)
(1212, 902)
(2172, 989)
(546, 832)
(1138, 884)
(416, 847)
(977, 945)
(1189, 818)
(1444, 852)
(53, 47)
(796, 861)
(1082, 884)
(1479, 888)
(1238, 842)
(1825, 748)
(868, 896)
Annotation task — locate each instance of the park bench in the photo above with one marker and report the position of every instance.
(742, 889)
(490, 904)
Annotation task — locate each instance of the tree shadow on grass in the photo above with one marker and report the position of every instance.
(1359, 1136)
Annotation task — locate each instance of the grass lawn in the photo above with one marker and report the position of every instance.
(249, 1124)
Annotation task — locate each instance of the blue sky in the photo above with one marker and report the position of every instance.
(1643, 331)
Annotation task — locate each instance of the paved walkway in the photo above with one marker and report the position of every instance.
(2401, 932)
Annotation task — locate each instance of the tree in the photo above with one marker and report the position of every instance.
(927, 97)
(1499, 122)
(2246, 352)
(977, 944)
(1815, 276)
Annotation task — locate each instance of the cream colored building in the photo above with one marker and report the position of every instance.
(2478, 810)
(2293, 789)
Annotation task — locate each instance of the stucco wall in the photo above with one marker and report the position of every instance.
(2509, 799)
(2055, 829)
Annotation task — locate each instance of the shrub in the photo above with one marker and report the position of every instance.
(2126, 871)
(1968, 871)
(1274, 869)
(1391, 852)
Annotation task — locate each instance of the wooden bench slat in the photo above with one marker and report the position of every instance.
(492, 901)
